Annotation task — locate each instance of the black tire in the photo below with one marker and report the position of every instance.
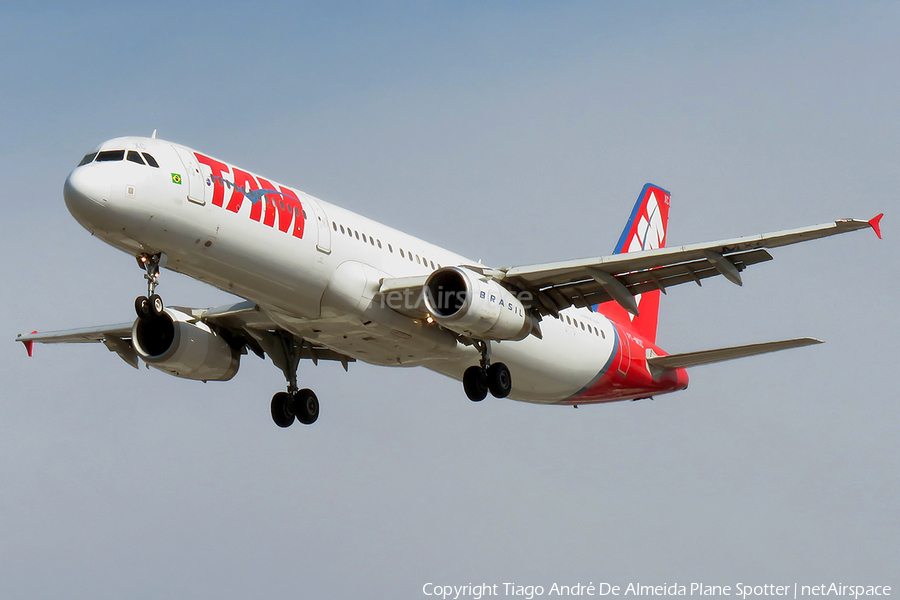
(499, 380)
(156, 305)
(475, 384)
(142, 307)
(306, 406)
(282, 409)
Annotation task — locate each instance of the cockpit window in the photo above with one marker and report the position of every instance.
(87, 158)
(111, 156)
(150, 160)
(134, 157)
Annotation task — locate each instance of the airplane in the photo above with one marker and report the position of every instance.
(322, 283)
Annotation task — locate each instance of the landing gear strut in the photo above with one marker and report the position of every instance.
(294, 403)
(150, 305)
(477, 381)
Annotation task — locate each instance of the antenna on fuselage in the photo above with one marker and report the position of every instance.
(153, 135)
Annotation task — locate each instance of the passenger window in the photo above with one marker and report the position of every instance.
(568, 320)
(342, 229)
(410, 256)
(87, 158)
(371, 240)
(379, 244)
(417, 259)
(111, 156)
(334, 225)
(135, 157)
(364, 237)
(390, 249)
(401, 253)
(150, 160)
(432, 264)
(356, 233)
(582, 325)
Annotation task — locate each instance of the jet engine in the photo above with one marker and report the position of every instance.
(464, 301)
(183, 346)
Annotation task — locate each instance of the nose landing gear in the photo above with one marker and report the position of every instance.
(150, 305)
(496, 378)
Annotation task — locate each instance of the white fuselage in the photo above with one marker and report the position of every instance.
(322, 286)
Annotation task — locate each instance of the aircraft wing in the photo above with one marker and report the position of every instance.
(115, 337)
(75, 336)
(243, 325)
(620, 277)
(410, 289)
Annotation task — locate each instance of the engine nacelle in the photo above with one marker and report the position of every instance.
(463, 301)
(180, 345)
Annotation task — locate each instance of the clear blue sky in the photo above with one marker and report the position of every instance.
(511, 132)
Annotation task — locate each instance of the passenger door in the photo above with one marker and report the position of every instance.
(323, 227)
(195, 188)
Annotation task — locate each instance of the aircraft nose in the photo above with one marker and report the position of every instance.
(85, 185)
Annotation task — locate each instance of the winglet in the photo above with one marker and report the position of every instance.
(875, 222)
(29, 345)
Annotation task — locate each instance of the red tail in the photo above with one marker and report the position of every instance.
(645, 230)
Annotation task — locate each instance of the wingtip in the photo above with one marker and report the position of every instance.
(29, 345)
(875, 223)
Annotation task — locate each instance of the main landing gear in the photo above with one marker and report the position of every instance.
(300, 404)
(150, 305)
(477, 381)
(295, 403)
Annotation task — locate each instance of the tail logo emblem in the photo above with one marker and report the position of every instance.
(648, 234)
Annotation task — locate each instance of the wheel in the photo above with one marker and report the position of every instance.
(142, 307)
(475, 384)
(306, 406)
(156, 305)
(282, 409)
(499, 380)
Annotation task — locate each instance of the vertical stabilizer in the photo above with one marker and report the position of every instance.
(645, 230)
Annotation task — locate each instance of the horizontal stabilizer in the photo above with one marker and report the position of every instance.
(705, 357)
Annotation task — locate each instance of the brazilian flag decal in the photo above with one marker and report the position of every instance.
(176, 178)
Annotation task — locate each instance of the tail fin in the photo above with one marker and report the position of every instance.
(645, 230)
